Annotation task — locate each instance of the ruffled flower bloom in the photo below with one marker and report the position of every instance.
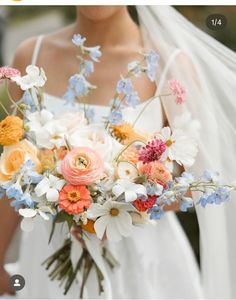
(155, 171)
(131, 155)
(11, 130)
(113, 218)
(14, 157)
(74, 199)
(144, 205)
(177, 90)
(8, 73)
(82, 166)
(35, 78)
(152, 151)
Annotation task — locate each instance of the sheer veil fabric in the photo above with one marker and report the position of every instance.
(208, 71)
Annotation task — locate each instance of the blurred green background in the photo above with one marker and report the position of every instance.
(25, 21)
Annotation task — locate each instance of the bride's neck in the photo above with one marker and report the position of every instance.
(119, 29)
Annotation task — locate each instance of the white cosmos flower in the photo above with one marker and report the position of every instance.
(113, 219)
(189, 126)
(126, 170)
(51, 135)
(50, 186)
(29, 214)
(179, 147)
(35, 78)
(130, 190)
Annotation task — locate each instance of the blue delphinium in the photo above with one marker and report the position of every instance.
(135, 68)
(94, 52)
(29, 175)
(78, 40)
(132, 99)
(211, 176)
(24, 200)
(116, 117)
(14, 191)
(87, 67)
(154, 189)
(186, 203)
(27, 99)
(152, 59)
(124, 86)
(222, 194)
(156, 212)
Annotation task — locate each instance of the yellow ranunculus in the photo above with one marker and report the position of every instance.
(13, 157)
(11, 130)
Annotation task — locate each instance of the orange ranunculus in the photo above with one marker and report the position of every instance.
(89, 226)
(155, 171)
(13, 157)
(11, 130)
(74, 199)
(47, 160)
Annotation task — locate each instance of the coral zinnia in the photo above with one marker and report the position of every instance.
(11, 130)
(152, 151)
(125, 133)
(74, 199)
(143, 205)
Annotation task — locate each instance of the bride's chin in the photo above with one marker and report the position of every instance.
(99, 12)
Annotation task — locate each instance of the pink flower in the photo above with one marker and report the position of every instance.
(155, 171)
(82, 166)
(178, 91)
(152, 151)
(8, 73)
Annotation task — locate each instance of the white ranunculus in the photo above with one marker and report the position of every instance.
(113, 218)
(72, 121)
(39, 119)
(35, 78)
(97, 138)
(130, 190)
(179, 147)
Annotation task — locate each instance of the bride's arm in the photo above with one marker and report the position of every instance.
(8, 218)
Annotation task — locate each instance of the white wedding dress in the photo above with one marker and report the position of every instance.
(155, 262)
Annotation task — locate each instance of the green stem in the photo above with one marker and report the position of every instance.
(123, 150)
(4, 108)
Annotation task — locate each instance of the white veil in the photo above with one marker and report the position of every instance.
(208, 71)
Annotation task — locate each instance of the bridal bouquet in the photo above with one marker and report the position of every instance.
(102, 179)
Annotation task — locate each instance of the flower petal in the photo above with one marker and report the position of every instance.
(100, 225)
(52, 195)
(27, 212)
(130, 196)
(124, 223)
(112, 231)
(42, 187)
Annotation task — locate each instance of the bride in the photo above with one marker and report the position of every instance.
(156, 261)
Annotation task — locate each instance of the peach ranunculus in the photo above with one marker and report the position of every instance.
(155, 171)
(82, 166)
(11, 130)
(74, 199)
(13, 157)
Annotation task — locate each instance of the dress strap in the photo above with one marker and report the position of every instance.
(37, 49)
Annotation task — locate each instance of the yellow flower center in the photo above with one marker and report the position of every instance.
(81, 162)
(114, 212)
(169, 143)
(73, 196)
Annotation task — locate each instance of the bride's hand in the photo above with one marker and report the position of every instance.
(5, 288)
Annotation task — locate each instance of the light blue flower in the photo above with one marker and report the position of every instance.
(14, 191)
(124, 86)
(211, 176)
(90, 114)
(156, 212)
(222, 194)
(116, 117)
(30, 176)
(28, 100)
(24, 200)
(154, 189)
(79, 85)
(152, 59)
(87, 67)
(69, 97)
(132, 99)
(78, 40)
(186, 203)
(94, 53)
(186, 178)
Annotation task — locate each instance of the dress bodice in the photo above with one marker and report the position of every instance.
(150, 121)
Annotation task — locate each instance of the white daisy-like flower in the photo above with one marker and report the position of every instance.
(126, 170)
(113, 218)
(130, 190)
(39, 119)
(190, 127)
(35, 78)
(49, 186)
(179, 147)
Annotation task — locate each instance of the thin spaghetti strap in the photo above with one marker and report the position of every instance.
(37, 49)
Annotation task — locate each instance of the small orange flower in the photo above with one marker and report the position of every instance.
(131, 155)
(125, 133)
(155, 171)
(11, 130)
(89, 226)
(74, 199)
